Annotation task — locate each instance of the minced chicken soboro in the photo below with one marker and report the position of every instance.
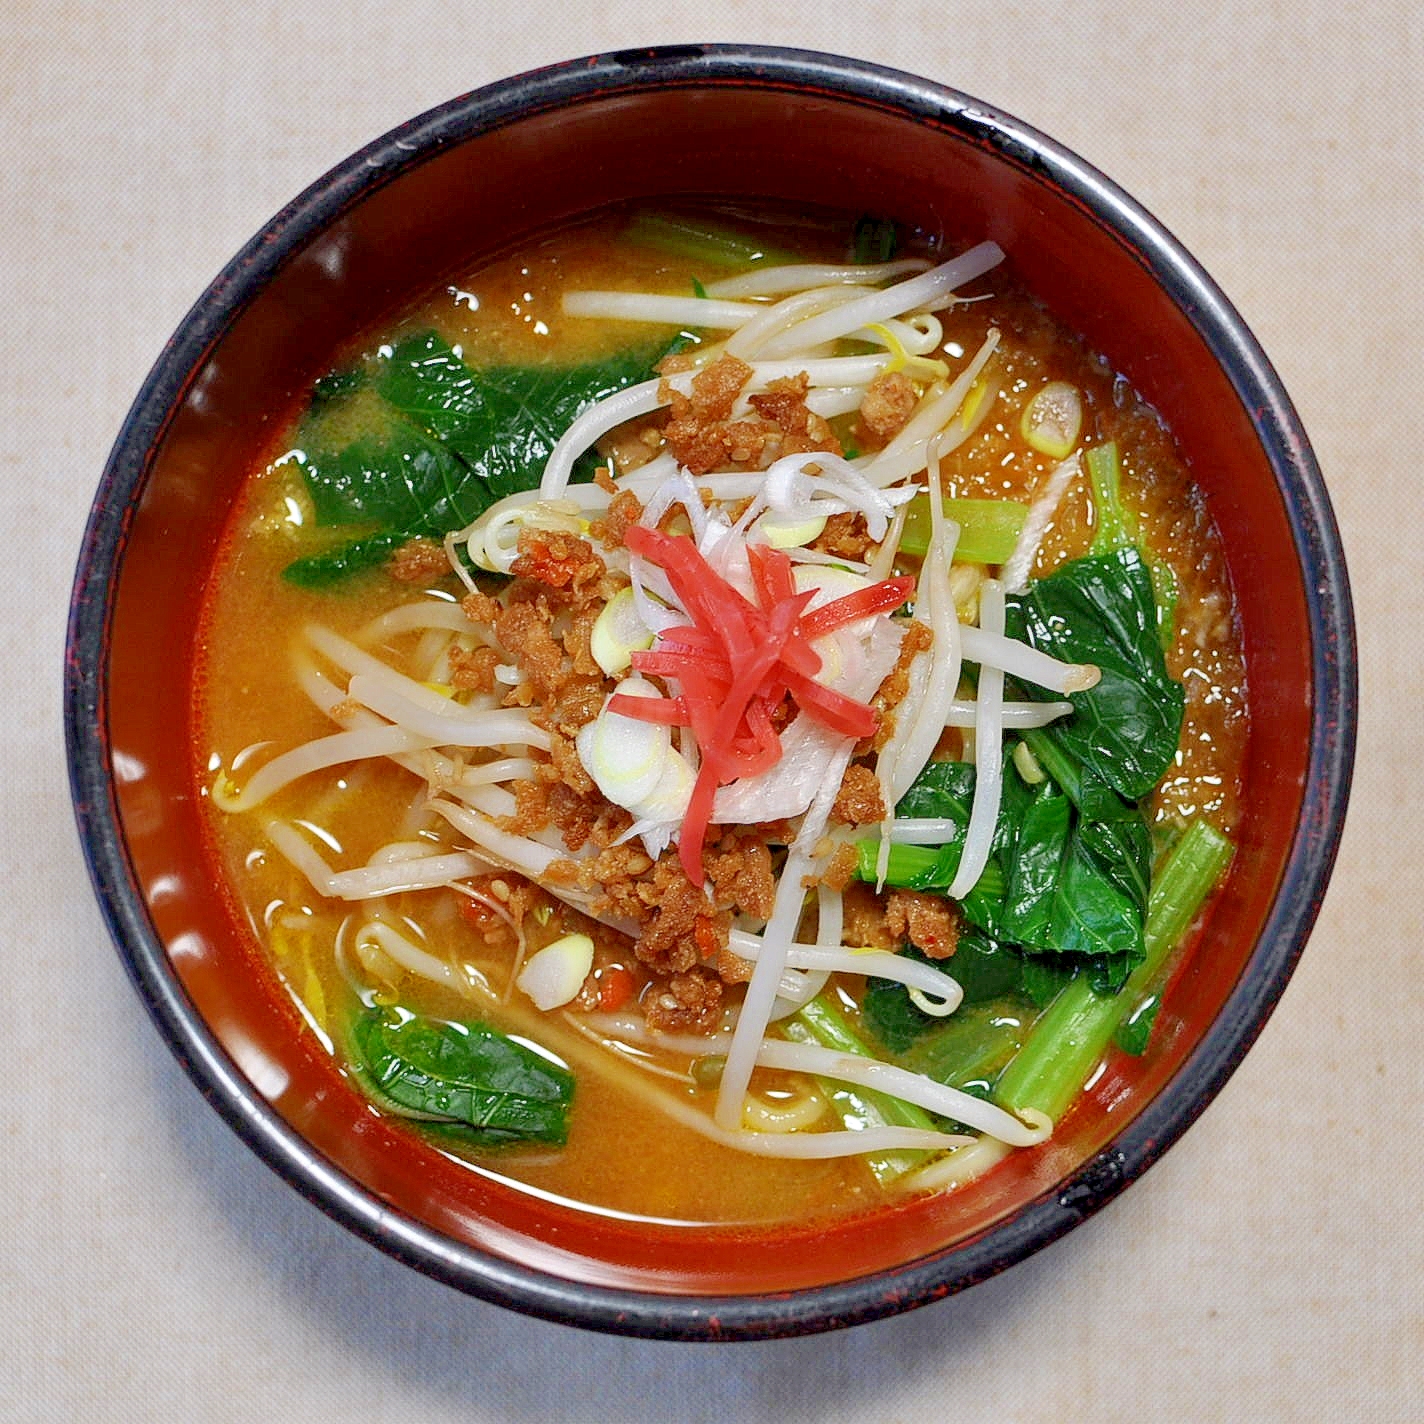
(660, 1112)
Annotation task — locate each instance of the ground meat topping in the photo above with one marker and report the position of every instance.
(630, 448)
(929, 922)
(889, 401)
(577, 641)
(531, 809)
(524, 630)
(472, 670)
(716, 387)
(891, 693)
(683, 927)
(690, 1002)
(859, 802)
(481, 609)
(702, 435)
(418, 561)
(740, 870)
(864, 913)
(557, 560)
(840, 869)
(784, 405)
(846, 536)
(566, 766)
(732, 968)
(624, 510)
(514, 893)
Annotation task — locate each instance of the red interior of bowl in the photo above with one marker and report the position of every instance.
(716, 139)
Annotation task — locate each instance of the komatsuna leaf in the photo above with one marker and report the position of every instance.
(1033, 867)
(503, 421)
(943, 790)
(985, 970)
(890, 1014)
(1122, 850)
(463, 1073)
(1058, 886)
(1101, 609)
(403, 482)
(968, 1043)
(439, 441)
(1064, 894)
(335, 565)
(1135, 1031)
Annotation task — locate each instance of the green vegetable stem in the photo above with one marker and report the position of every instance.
(988, 528)
(1075, 1031)
(821, 1021)
(700, 240)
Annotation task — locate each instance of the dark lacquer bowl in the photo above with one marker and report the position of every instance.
(425, 202)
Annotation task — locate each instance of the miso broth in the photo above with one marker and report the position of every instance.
(649, 1034)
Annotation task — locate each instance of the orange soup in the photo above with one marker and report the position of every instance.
(689, 711)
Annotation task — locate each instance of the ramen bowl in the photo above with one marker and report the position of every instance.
(474, 178)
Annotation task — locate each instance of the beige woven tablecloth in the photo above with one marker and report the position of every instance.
(1268, 1268)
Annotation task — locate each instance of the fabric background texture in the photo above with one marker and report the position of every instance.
(1269, 1268)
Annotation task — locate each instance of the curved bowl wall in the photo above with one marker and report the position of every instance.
(471, 178)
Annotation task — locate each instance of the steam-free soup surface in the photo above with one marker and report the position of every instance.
(622, 1154)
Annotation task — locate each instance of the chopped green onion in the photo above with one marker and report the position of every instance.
(618, 632)
(707, 1070)
(1052, 419)
(554, 975)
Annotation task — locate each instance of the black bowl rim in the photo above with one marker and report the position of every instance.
(1141, 1142)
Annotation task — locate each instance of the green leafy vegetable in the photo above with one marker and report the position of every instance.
(1057, 884)
(985, 969)
(1101, 609)
(942, 789)
(889, 1012)
(1135, 1031)
(335, 565)
(439, 443)
(711, 243)
(336, 384)
(1107, 608)
(969, 1049)
(1074, 887)
(469, 1074)
(875, 239)
(1166, 590)
(1115, 529)
(1075, 1030)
